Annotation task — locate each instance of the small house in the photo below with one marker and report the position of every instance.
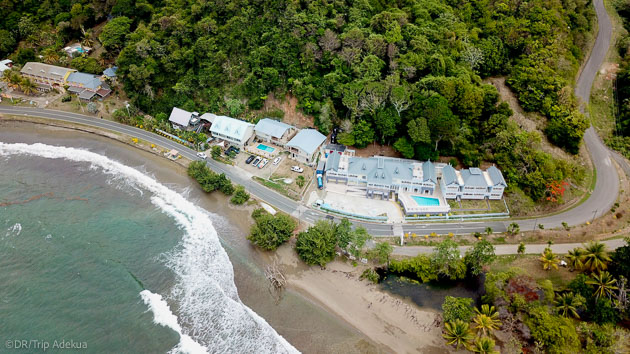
(305, 144)
(273, 131)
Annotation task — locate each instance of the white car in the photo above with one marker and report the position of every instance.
(297, 169)
(263, 163)
(277, 160)
(201, 155)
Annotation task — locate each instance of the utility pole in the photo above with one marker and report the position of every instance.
(594, 213)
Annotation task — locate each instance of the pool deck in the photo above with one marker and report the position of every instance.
(411, 207)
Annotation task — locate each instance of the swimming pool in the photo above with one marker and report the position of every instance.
(264, 147)
(425, 201)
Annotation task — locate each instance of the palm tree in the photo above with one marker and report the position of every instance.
(567, 304)
(486, 320)
(51, 56)
(604, 284)
(549, 259)
(87, 37)
(575, 257)
(12, 78)
(27, 86)
(595, 256)
(458, 333)
(484, 345)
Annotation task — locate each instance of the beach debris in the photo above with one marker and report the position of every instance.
(277, 281)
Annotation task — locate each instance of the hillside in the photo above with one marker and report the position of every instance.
(407, 73)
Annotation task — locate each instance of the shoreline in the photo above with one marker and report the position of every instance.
(378, 328)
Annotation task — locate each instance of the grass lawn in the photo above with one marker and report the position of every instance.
(277, 186)
(530, 265)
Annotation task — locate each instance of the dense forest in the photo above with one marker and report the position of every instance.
(407, 73)
(622, 140)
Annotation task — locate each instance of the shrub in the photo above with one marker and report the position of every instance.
(371, 275)
(556, 333)
(240, 195)
(317, 244)
(458, 308)
(269, 232)
(418, 266)
(66, 98)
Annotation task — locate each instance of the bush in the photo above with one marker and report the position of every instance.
(458, 308)
(66, 98)
(419, 266)
(317, 244)
(269, 232)
(371, 275)
(209, 180)
(556, 333)
(240, 195)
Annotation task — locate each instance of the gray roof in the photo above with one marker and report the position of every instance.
(332, 162)
(110, 72)
(87, 95)
(473, 177)
(88, 81)
(380, 170)
(496, 176)
(272, 127)
(180, 116)
(448, 175)
(307, 140)
(47, 71)
(74, 89)
(428, 172)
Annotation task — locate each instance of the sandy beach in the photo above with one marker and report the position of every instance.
(322, 310)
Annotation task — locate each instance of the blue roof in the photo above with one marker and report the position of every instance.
(307, 140)
(332, 162)
(87, 81)
(448, 175)
(272, 127)
(110, 72)
(428, 172)
(473, 177)
(496, 176)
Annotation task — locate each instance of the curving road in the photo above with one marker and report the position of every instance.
(602, 198)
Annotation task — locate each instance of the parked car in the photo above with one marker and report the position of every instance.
(330, 217)
(277, 160)
(263, 163)
(256, 161)
(250, 159)
(297, 169)
(201, 155)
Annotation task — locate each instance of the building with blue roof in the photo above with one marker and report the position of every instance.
(110, 72)
(305, 144)
(234, 131)
(273, 131)
(472, 183)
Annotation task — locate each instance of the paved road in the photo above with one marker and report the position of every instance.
(602, 198)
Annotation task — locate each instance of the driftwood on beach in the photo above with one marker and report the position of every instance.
(276, 279)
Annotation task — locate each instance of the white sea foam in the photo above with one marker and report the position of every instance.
(14, 230)
(162, 315)
(209, 308)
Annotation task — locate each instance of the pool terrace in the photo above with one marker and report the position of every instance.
(422, 204)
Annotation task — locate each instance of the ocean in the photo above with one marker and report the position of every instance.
(99, 253)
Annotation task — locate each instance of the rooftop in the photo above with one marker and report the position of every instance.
(233, 128)
(272, 127)
(110, 72)
(5, 64)
(47, 71)
(307, 140)
(180, 116)
(88, 81)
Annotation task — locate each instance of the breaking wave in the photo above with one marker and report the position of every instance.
(210, 311)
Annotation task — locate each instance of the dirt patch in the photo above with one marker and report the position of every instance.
(292, 114)
(377, 149)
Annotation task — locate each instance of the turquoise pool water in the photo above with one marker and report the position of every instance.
(264, 147)
(425, 201)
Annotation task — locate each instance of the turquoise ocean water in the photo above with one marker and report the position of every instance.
(95, 252)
